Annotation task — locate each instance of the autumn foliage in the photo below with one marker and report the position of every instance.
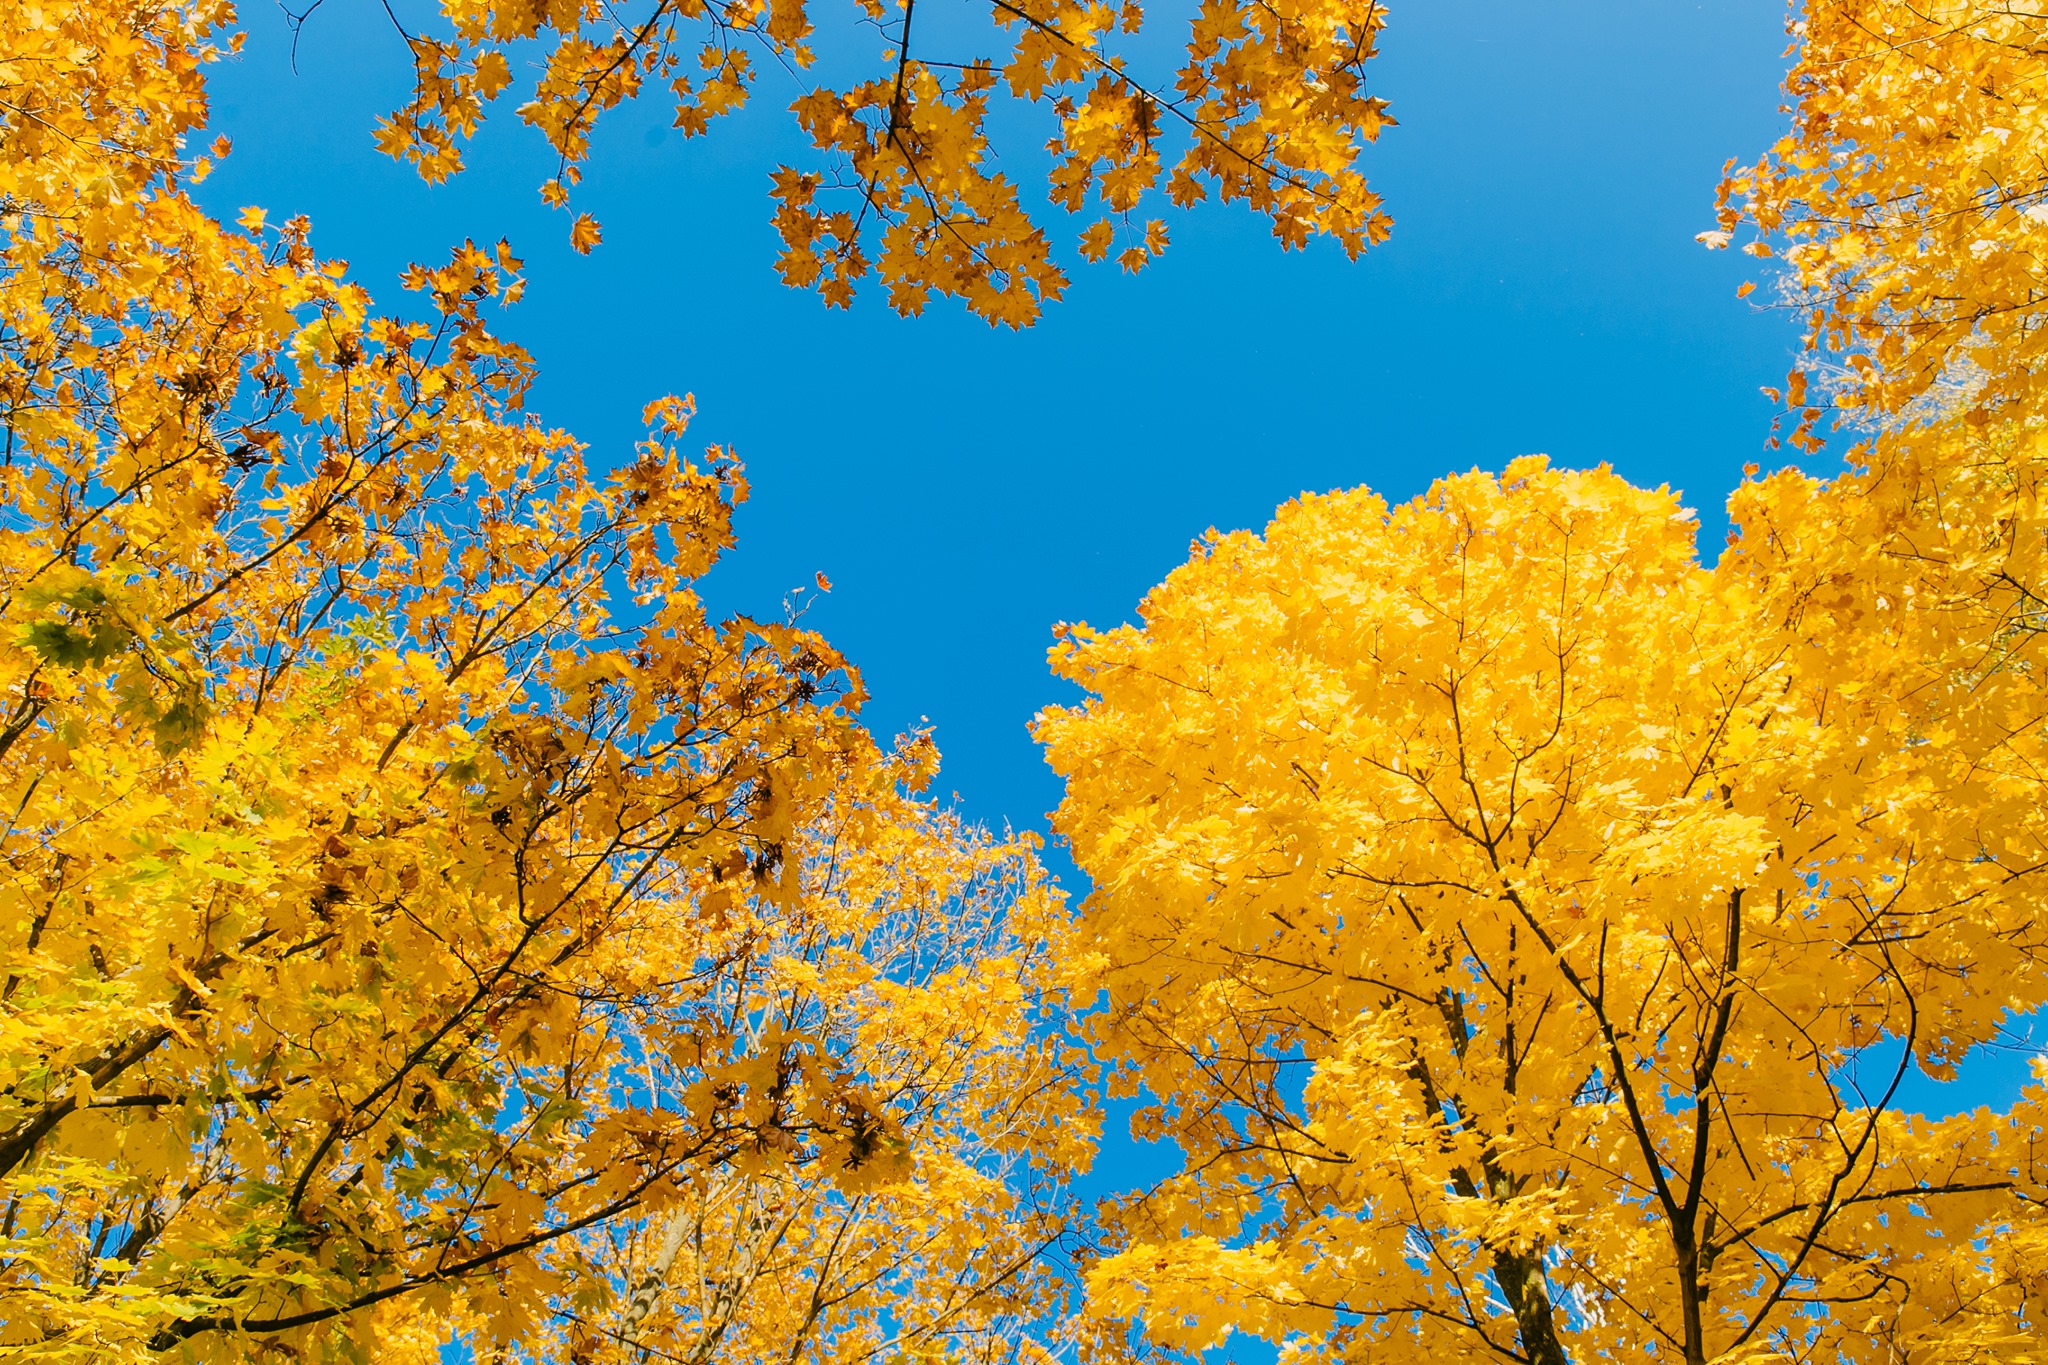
(1909, 202)
(423, 922)
(1269, 105)
(1525, 932)
(421, 919)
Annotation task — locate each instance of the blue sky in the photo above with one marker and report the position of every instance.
(966, 488)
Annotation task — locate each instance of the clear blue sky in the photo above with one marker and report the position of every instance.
(966, 488)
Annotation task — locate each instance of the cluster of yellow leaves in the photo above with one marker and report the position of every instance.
(1910, 200)
(1910, 206)
(1269, 107)
(931, 955)
(408, 894)
(1524, 931)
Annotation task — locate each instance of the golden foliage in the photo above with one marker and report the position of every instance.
(1909, 204)
(416, 907)
(1269, 106)
(422, 919)
(925, 955)
(1910, 200)
(1525, 930)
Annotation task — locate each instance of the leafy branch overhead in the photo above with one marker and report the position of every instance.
(1525, 933)
(420, 918)
(425, 924)
(1269, 106)
(1528, 934)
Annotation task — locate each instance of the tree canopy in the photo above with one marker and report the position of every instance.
(1525, 943)
(1269, 105)
(421, 918)
(1524, 930)
(424, 921)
